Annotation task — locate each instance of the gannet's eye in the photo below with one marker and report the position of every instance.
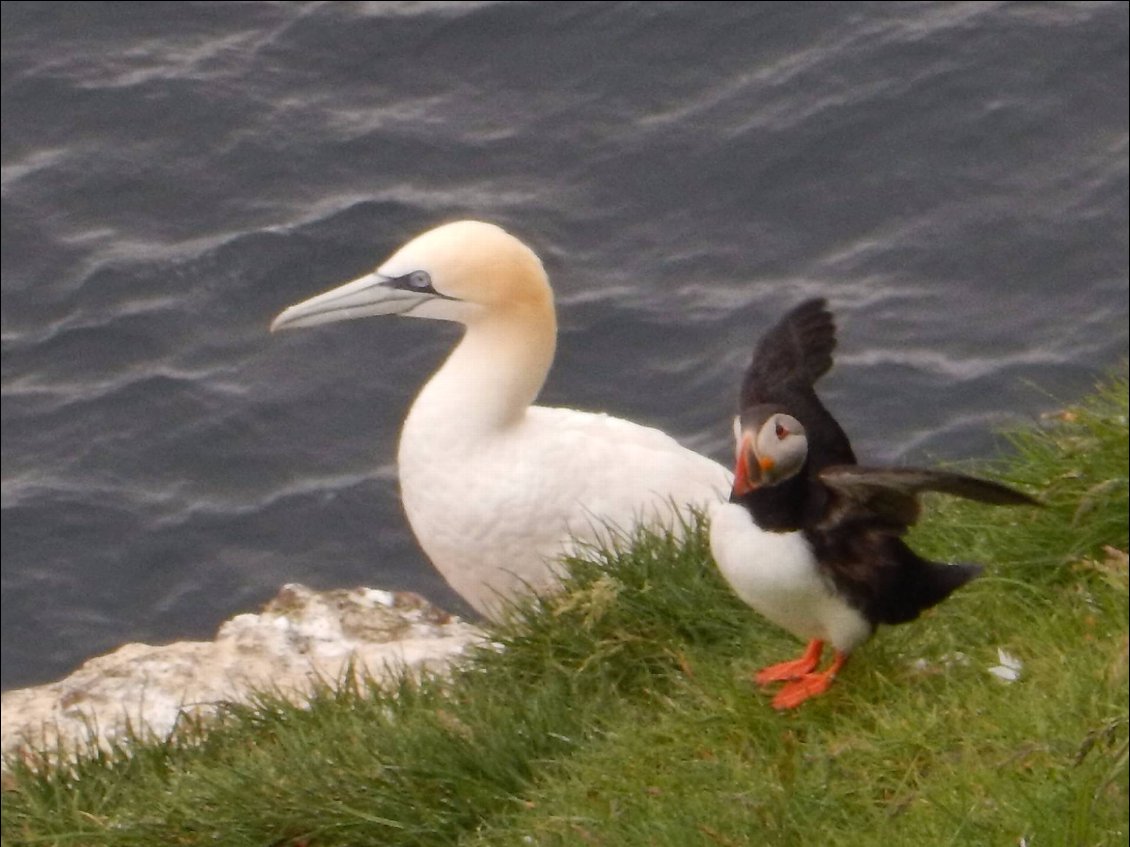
(419, 280)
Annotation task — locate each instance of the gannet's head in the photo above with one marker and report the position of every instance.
(458, 272)
(771, 447)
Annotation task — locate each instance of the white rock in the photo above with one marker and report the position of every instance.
(301, 636)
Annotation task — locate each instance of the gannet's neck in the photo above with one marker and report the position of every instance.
(493, 374)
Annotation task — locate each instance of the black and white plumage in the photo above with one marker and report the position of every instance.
(810, 539)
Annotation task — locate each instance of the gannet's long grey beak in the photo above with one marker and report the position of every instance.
(370, 295)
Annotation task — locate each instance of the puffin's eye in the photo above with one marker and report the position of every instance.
(420, 280)
(781, 431)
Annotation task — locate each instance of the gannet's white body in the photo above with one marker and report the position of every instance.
(496, 489)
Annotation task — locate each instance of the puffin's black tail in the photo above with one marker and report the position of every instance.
(924, 584)
(938, 581)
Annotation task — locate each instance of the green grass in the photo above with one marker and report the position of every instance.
(621, 712)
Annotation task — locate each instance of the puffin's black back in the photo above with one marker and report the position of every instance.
(786, 363)
(858, 540)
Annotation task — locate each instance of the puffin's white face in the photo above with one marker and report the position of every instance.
(770, 451)
(458, 272)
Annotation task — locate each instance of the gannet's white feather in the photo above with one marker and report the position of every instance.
(494, 512)
(496, 489)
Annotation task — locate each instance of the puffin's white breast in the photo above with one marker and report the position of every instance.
(494, 510)
(777, 574)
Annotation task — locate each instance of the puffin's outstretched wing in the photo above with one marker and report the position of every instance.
(792, 355)
(786, 363)
(889, 496)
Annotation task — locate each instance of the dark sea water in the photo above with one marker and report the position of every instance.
(953, 177)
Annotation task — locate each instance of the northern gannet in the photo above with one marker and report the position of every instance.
(810, 539)
(497, 489)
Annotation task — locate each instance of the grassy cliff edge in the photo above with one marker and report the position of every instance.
(621, 711)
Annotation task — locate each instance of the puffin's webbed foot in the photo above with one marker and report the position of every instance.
(795, 669)
(808, 686)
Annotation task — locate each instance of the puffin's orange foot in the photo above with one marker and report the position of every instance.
(810, 685)
(799, 690)
(785, 671)
(795, 669)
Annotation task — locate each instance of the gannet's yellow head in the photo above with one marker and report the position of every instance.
(458, 271)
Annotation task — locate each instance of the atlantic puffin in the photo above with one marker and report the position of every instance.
(497, 489)
(809, 538)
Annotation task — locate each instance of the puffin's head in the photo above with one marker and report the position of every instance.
(456, 272)
(771, 447)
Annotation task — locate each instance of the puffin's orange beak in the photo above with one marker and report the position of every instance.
(749, 476)
(743, 482)
(741, 476)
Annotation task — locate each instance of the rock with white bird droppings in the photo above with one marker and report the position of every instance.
(301, 636)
